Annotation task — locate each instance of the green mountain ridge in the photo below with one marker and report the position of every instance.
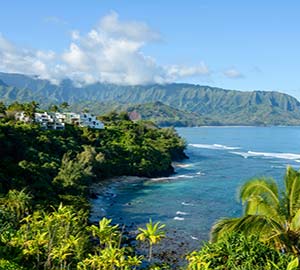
(222, 107)
(164, 115)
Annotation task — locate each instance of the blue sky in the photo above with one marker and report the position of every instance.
(245, 45)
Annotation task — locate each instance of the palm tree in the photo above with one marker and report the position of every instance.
(273, 216)
(153, 234)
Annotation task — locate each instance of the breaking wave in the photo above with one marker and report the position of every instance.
(187, 204)
(289, 156)
(214, 146)
(181, 213)
(178, 218)
(173, 177)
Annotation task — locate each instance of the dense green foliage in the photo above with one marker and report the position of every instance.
(164, 115)
(44, 186)
(61, 239)
(239, 252)
(217, 106)
(57, 165)
(157, 112)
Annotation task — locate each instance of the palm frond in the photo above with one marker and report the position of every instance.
(260, 196)
(295, 222)
(292, 185)
(262, 226)
(222, 228)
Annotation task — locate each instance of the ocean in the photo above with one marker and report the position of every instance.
(205, 186)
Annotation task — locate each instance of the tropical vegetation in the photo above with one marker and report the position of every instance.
(45, 179)
(240, 252)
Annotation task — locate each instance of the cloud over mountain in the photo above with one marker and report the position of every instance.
(110, 52)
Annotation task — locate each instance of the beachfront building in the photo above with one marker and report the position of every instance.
(83, 120)
(90, 120)
(51, 120)
(45, 119)
(56, 121)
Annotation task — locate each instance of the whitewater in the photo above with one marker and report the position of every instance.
(204, 188)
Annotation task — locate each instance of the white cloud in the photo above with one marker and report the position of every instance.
(75, 35)
(110, 52)
(22, 60)
(131, 30)
(75, 57)
(176, 71)
(233, 73)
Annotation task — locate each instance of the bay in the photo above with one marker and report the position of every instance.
(204, 188)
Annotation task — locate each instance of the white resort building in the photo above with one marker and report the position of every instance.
(83, 120)
(48, 121)
(56, 121)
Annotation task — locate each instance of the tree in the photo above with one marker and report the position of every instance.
(53, 108)
(15, 107)
(64, 105)
(153, 234)
(273, 217)
(75, 173)
(30, 109)
(2, 108)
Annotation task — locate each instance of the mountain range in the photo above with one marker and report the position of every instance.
(187, 103)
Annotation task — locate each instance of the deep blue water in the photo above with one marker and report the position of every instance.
(205, 186)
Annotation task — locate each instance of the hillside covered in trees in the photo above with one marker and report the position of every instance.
(218, 106)
(45, 177)
(48, 161)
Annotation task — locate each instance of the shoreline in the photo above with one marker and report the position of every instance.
(103, 184)
(104, 190)
(170, 249)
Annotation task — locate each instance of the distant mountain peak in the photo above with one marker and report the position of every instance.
(227, 107)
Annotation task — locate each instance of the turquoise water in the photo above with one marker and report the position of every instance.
(205, 186)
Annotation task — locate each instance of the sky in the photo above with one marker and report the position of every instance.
(233, 44)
